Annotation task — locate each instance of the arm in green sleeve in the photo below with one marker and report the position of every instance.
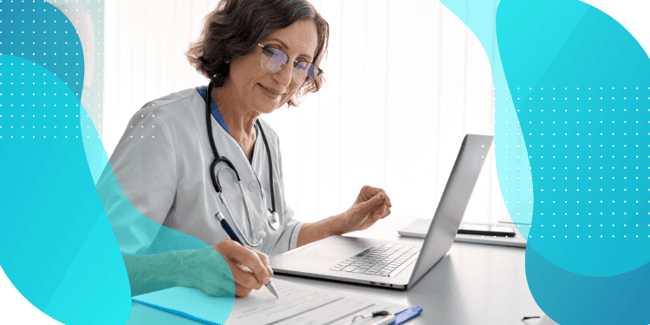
(202, 269)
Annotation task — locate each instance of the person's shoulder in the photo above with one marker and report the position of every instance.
(172, 105)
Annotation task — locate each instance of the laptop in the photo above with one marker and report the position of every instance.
(388, 263)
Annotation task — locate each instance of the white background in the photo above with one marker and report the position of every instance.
(403, 86)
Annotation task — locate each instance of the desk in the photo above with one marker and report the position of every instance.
(472, 284)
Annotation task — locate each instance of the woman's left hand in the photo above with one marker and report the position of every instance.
(371, 205)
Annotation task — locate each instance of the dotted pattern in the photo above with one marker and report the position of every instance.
(30, 110)
(39, 32)
(42, 33)
(588, 245)
(573, 143)
(590, 157)
(82, 14)
(31, 107)
(513, 168)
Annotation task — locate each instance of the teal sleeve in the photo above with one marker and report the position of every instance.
(148, 273)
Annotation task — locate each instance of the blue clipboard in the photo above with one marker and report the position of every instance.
(401, 317)
(406, 314)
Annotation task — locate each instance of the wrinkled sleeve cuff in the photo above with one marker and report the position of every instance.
(293, 238)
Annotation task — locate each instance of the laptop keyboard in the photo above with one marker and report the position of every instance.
(378, 260)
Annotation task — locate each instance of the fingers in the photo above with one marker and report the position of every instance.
(368, 212)
(370, 206)
(384, 210)
(385, 214)
(372, 202)
(253, 261)
(370, 192)
(245, 278)
(381, 213)
(250, 269)
(241, 291)
(266, 261)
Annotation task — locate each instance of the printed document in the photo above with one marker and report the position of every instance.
(298, 304)
(303, 305)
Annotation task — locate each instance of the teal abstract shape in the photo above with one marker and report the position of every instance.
(153, 252)
(588, 145)
(569, 298)
(39, 32)
(148, 246)
(56, 245)
(93, 146)
(64, 256)
(583, 81)
(510, 148)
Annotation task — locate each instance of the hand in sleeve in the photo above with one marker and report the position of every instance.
(250, 269)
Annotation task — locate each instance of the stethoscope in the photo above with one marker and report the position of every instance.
(274, 219)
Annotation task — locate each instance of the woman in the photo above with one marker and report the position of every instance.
(259, 55)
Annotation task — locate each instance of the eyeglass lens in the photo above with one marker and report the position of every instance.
(273, 60)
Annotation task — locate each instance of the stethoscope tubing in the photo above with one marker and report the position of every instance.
(215, 176)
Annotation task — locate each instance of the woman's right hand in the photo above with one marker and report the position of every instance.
(250, 269)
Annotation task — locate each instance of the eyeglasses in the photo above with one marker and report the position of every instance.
(274, 60)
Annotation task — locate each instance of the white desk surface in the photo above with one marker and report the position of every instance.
(473, 284)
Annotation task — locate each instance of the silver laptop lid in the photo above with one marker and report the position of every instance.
(453, 203)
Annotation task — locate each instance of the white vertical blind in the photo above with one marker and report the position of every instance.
(405, 80)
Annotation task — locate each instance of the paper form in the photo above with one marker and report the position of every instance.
(298, 305)
(304, 305)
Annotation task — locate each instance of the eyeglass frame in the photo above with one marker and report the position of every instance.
(264, 47)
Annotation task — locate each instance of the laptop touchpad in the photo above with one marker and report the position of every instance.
(322, 254)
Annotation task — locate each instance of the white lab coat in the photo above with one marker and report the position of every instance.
(162, 164)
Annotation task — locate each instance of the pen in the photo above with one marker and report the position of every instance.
(234, 237)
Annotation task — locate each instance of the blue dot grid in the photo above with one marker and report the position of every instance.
(39, 32)
(584, 118)
(567, 297)
(92, 96)
(580, 86)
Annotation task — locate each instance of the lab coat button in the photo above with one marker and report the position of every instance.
(252, 186)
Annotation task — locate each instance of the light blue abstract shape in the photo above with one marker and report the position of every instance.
(569, 30)
(513, 169)
(571, 299)
(144, 242)
(589, 145)
(586, 82)
(56, 245)
(66, 227)
(93, 146)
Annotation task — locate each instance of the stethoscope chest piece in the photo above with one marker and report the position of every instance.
(274, 220)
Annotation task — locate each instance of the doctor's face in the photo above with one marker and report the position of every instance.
(262, 91)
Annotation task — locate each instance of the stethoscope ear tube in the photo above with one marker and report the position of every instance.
(273, 220)
(208, 122)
